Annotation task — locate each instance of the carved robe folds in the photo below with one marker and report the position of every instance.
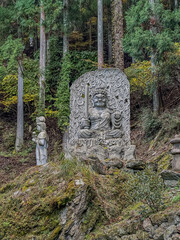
(101, 123)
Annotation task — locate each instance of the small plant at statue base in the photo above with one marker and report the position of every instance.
(147, 187)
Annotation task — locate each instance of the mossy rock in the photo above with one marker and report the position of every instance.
(163, 161)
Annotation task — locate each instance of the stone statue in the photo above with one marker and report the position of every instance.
(100, 120)
(41, 141)
(100, 116)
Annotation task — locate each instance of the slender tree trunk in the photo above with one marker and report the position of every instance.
(20, 112)
(42, 66)
(90, 35)
(176, 4)
(109, 19)
(117, 22)
(156, 95)
(48, 48)
(100, 33)
(65, 22)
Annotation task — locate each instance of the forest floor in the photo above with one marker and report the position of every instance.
(13, 164)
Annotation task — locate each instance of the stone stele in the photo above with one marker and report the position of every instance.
(100, 116)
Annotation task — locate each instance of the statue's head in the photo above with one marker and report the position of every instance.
(99, 98)
(41, 125)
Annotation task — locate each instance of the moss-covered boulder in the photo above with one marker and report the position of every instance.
(47, 202)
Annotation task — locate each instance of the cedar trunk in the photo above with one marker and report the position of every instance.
(65, 23)
(42, 66)
(20, 112)
(117, 23)
(109, 19)
(156, 93)
(100, 33)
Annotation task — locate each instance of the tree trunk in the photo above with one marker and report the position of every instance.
(48, 48)
(20, 112)
(176, 4)
(42, 66)
(90, 35)
(156, 95)
(100, 33)
(65, 23)
(117, 23)
(109, 19)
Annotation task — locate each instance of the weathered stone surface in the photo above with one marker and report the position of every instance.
(113, 163)
(41, 141)
(129, 237)
(170, 175)
(176, 237)
(176, 219)
(169, 232)
(178, 228)
(176, 153)
(72, 215)
(100, 116)
(148, 227)
(170, 178)
(135, 164)
(159, 232)
(130, 153)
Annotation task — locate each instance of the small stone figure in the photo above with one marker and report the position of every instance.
(100, 119)
(41, 141)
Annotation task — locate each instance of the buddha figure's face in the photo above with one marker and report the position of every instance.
(99, 100)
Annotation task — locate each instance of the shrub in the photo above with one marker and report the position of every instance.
(147, 187)
(140, 76)
(63, 94)
(150, 123)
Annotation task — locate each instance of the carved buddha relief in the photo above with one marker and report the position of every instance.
(100, 119)
(100, 115)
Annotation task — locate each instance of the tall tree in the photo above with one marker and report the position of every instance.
(109, 23)
(151, 30)
(42, 64)
(20, 110)
(117, 21)
(176, 4)
(100, 33)
(65, 25)
(154, 30)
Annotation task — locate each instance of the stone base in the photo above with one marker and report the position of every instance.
(100, 148)
(171, 178)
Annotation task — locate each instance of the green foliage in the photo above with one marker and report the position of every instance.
(73, 66)
(147, 187)
(151, 123)
(170, 123)
(169, 68)
(9, 85)
(140, 76)
(63, 94)
(11, 50)
(176, 198)
(82, 62)
(139, 40)
(53, 11)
